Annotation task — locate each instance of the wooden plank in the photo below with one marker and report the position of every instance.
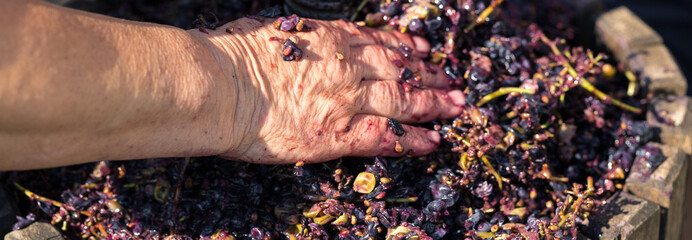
(625, 217)
(687, 216)
(657, 70)
(640, 49)
(35, 231)
(664, 186)
(623, 32)
(679, 111)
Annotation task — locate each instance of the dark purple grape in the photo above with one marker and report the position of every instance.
(483, 227)
(514, 218)
(651, 155)
(444, 193)
(416, 26)
(393, 8)
(432, 25)
(395, 127)
(405, 50)
(471, 222)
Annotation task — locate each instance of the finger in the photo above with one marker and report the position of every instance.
(381, 63)
(393, 39)
(356, 37)
(388, 99)
(370, 136)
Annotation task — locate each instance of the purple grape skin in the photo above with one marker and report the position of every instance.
(483, 189)
(23, 222)
(295, 52)
(288, 23)
(444, 193)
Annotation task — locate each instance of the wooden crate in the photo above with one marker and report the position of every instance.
(630, 217)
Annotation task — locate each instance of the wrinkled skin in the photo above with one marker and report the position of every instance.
(319, 107)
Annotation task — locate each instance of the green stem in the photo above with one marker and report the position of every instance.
(462, 162)
(492, 171)
(31, 194)
(481, 17)
(360, 8)
(501, 92)
(586, 84)
(402, 200)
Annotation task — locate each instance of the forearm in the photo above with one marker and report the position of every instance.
(78, 87)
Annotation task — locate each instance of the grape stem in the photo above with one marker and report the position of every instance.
(402, 200)
(586, 84)
(501, 92)
(463, 163)
(492, 171)
(360, 8)
(178, 188)
(575, 205)
(481, 17)
(33, 195)
(91, 229)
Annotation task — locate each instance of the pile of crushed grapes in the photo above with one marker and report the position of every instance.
(549, 133)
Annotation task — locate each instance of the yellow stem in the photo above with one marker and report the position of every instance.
(586, 84)
(492, 171)
(481, 17)
(31, 194)
(501, 92)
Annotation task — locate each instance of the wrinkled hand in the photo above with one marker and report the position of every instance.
(321, 107)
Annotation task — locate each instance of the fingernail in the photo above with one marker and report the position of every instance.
(457, 97)
(433, 136)
(422, 45)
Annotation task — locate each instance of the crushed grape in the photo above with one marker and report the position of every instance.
(290, 51)
(290, 23)
(543, 140)
(395, 127)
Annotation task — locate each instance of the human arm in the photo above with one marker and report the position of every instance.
(87, 87)
(80, 87)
